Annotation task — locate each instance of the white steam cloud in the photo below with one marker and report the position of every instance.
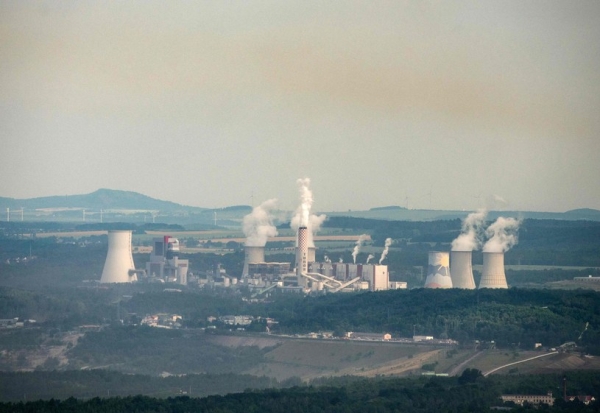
(258, 225)
(303, 217)
(327, 259)
(472, 232)
(502, 235)
(359, 242)
(369, 258)
(341, 260)
(386, 247)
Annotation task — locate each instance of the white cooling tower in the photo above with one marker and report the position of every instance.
(302, 254)
(461, 269)
(119, 261)
(493, 275)
(252, 255)
(438, 270)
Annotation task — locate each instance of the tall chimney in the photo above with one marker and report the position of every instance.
(461, 269)
(302, 254)
(119, 260)
(438, 270)
(493, 275)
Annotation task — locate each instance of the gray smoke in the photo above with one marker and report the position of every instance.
(472, 232)
(359, 243)
(502, 235)
(258, 225)
(386, 247)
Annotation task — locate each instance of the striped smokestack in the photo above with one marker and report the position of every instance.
(302, 254)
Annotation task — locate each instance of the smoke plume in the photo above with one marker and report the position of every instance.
(369, 258)
(502, 235)
(258, 225)
(303, 217)
(327, 259)
(341, 260)
(472, 232)
(386, 247)
(359, 243)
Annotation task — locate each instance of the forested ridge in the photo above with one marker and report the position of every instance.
(468, 393)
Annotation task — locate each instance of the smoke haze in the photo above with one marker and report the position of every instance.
(502, 235)
(472, 232)
(386, 247)
(258, 225)
(359, 244)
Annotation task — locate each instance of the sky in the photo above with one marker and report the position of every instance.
(423, 104)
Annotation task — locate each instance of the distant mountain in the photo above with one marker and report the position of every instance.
(100, 199)
(387, 208)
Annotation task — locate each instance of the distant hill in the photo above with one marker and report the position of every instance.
(387, 208)
(101, 199)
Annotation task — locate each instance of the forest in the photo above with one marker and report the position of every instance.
(469, 392)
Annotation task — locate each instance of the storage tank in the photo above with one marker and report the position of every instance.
(461, 269)
(119, 260)
(438, 270)
(492, 275)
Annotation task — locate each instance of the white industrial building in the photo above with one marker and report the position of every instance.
(164, 264)
(492, 275)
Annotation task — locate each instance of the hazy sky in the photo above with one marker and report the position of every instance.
(218, 103)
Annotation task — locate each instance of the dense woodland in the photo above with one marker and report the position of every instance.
(467, 393)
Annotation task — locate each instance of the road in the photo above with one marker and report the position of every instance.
(518, 362)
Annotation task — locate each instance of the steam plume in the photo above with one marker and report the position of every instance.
(359, 243)
(341, 260)
(386, 247)
(369, 258)
(327, 259)
(472, 232)
(303, 217)
(502, 235)
(258, 225)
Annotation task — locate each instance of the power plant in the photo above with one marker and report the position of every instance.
(164, 264)
(252, 255)
(119, 267)
(438, 270)
(492, 275)
(461, 269)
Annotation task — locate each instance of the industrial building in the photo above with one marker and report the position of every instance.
(164, 264)
(461, 269)
(492, 275)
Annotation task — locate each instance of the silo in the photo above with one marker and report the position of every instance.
(119, 260)
(493, 275)
(438, 270)
(461, 269)
(252, 255)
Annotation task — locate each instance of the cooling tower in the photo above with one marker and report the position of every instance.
(119, 260)
(438, 271)
(492, 275)
(252, 255)
(461, 269)
(302, 254)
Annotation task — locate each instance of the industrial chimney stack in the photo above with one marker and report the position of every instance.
(493, 275)
(461, 269)
(302, 254)
(119, 267)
